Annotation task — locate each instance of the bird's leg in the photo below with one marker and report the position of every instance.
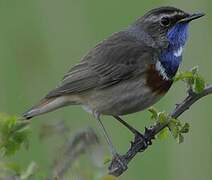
(133, 130)
(114, 153)
(109, 142)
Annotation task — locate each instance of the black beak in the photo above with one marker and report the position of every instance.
(192, 17)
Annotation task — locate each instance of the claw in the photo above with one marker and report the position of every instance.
(141, 138)
(121, 161)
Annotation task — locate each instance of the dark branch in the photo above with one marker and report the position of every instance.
(139, 145)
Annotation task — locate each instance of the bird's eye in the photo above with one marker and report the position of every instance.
(165, 21)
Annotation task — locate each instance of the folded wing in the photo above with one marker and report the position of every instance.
(113, 61)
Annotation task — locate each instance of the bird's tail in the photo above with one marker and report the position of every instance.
(44, 106)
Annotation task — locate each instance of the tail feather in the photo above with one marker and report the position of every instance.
(44, 106)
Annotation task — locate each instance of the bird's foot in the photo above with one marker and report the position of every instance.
(118, 164)
(140, 138)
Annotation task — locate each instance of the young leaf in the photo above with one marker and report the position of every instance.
(176, 122)
(195, 70)
(183, 76)
(185, 128)
(13, 134)
(162, 117)
(174, 128)
(163, 134)
(154, 113)
(180, 138)
(199, 84)
(192, 79)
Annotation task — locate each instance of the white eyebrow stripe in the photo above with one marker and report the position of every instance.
(178, 52)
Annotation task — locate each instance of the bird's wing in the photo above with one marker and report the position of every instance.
(112, 61)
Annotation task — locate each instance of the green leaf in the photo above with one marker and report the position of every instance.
(163, 134)
(13, 134)
(199, 84)
(180, 138)
(177, 129)
(183, 76)
(193, 79)
(176, 122)
(185, 128)
(195, 70)
(174, 128)
(154, 113)
(162, 117)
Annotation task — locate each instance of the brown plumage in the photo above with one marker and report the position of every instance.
(156, 82)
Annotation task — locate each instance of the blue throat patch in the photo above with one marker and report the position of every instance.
(172, 56)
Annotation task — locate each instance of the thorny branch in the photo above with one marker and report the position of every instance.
(139, 145)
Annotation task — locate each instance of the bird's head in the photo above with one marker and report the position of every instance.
(167, 24)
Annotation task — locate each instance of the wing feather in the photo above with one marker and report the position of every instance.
(116, 59)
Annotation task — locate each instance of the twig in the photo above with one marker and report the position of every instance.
(139, 145)
(79, 144)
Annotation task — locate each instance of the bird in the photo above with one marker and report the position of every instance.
(127, 72)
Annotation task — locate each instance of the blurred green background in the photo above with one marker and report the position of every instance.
(41, 39)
